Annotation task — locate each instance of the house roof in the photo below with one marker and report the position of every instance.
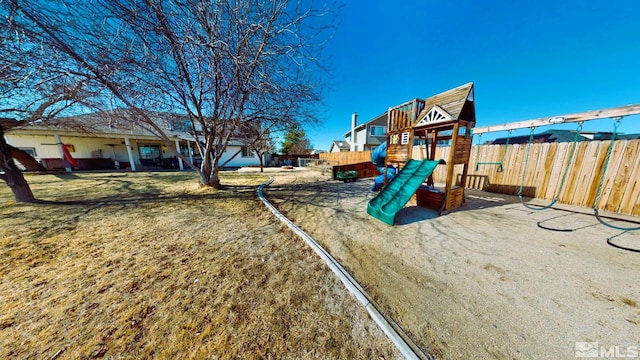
(628, 136)
(115, 123)
(554, 135)
(549, 136)
(341, 144)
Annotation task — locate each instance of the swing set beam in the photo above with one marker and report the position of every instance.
(569, 118)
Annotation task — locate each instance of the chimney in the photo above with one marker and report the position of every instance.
(354, 124)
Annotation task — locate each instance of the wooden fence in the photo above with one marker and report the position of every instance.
(545, 169)
(546, 165)
(346, 157)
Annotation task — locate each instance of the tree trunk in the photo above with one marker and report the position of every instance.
(213, 181)
(26, 160)
(261, 162)
(12, 175)
(210, 173)
(19, 185)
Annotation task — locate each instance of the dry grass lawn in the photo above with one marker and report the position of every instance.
(149, 265)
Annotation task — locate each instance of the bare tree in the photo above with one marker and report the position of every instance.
(259, 134)
(222, 63)
(31, 89)
(262, 146)
(257, 138)
(11, 175)
(26, 160)
(39, 108)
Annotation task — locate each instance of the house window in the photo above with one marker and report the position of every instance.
(31, 151)
(149, 152)
(246, 152)
(378, 131)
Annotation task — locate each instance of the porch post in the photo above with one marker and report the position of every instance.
(130, 153)
(178, 151)
(65, 163)
(190, 152)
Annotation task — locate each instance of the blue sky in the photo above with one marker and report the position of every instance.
(527, 59)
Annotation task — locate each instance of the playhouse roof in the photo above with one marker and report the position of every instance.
(454, 104)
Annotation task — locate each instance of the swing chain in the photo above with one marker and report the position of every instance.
(616, 123)
(570, 159)
(566, 170)
(526, 161)
(506, 145)
(478, 150)
(600, 185)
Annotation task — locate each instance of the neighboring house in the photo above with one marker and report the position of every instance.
(625, 136)
(549, 136)
(339, 146)
(367, 136)
(557, 136)
(107, 140)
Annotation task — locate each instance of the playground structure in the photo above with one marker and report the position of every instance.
(448, 116)
(416, 127)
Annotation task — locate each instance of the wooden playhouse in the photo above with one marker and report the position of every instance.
(422, 125)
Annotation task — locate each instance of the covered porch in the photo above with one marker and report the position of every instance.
(72, 151)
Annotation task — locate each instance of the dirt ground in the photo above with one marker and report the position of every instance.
(483, 281)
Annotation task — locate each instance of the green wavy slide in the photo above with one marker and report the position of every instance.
(399, 189)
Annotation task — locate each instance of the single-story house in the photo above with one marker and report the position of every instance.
(107, 140)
